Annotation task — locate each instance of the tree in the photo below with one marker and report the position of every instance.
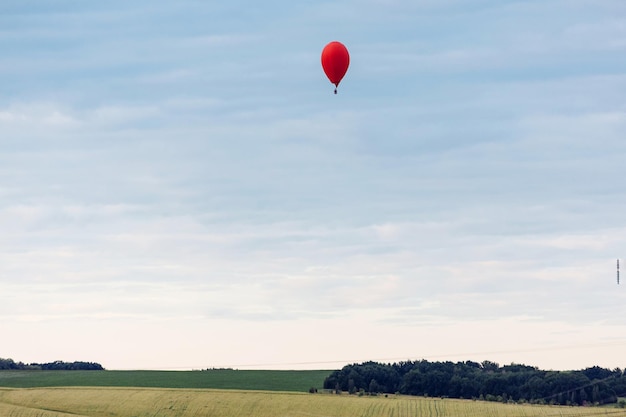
(351, 386)
(597, 373)
(373, 387)
(514, 382)
(490, 366)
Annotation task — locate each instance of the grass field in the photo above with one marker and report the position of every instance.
(218, 379)
(159, 402)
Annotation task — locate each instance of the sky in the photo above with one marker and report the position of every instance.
(181, 189)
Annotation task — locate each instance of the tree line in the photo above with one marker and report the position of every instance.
(484, 381)
(10, 364)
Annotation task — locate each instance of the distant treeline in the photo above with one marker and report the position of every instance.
(6, 364)
(485, 381)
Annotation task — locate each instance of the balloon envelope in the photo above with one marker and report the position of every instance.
(335, 61)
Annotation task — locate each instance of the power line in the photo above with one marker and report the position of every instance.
(619, 342)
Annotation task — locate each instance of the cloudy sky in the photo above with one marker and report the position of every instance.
(181, 189)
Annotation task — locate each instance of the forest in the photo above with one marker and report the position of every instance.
(10, 364)
(484, 381)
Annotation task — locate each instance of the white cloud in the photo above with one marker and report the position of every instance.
(38, 114)
(118, 115)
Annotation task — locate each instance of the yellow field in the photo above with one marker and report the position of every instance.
(135, 402)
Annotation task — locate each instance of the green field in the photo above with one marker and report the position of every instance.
(217, 379)
(159, 402)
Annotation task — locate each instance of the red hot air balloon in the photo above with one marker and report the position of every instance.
(335, 61)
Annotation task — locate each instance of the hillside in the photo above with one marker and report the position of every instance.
(300, 381)
(133, 402)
